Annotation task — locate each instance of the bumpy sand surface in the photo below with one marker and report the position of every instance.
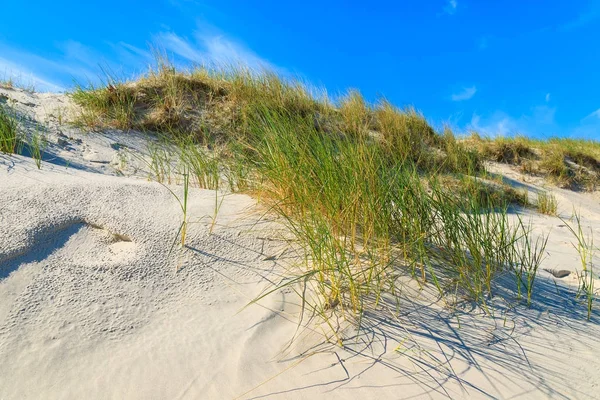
(93, 303)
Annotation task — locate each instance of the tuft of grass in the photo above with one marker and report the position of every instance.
(161, 161)
(11, 83)
(585, 249)
(201, 164)
(364, 218)
(37, 146)
(526, 259)
(110, 105)
(7, 83)
(546, 203)
(181, 235)
(508, 150)
(8, 131)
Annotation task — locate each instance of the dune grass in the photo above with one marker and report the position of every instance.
(7, 83)
(366, 216)
(215, 106)
(372, 192)
(547, 203)
(585, 248)
(571, 163)
(8, 131)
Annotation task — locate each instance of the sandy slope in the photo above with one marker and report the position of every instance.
(91, 304)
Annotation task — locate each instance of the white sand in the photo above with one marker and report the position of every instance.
(91, 305)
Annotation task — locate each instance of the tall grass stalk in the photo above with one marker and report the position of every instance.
(8, 130)
(585, 249)
(37, 146)
(181, 235)
(526, 258)
(161, 161)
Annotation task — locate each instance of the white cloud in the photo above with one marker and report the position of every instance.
(76, 52)
(465, 94)
(584, 18)
(24, 76)
(451, 7)
(74, 61)
(547, 97)
(499, 124)
(212, 49)
(180, 46)
(135, 50)
(539, 121)
(483, 43)
(49, 74)
(595, 114)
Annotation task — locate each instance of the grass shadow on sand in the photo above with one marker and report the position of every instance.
(427, 344)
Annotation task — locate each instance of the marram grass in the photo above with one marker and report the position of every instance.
(371, 192)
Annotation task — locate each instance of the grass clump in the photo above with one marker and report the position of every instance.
(585, 248)
(8, 131)
(547, 203)
(365, 218)
(508, 150)
(7, 83)
(110, 105)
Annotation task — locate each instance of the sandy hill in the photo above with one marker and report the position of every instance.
(96, 302)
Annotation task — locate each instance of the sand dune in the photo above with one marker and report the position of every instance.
(95, 304)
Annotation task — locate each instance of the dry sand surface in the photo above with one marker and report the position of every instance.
(94, 305)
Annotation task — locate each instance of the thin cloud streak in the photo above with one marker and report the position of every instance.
(465, 94)
(212, 49)
(588, 16)
(595, 114)
(451, 7)
(25, 77)
(540, 122)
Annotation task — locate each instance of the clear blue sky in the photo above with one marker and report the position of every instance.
(499, 67)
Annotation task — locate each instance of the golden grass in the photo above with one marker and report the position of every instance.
(570, 163)
(371, 191)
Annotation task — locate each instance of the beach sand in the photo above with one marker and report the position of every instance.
(94, 302)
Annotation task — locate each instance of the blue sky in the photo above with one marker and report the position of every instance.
(498, 67)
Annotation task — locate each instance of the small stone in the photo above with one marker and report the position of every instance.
(560, 273)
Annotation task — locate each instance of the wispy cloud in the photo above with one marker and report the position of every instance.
(71, 61)
(483, 43)
(595, 114)
(547, 97)
(212, 49)
(499, 124)
(135, 50)
(539, 121)
(22, 75)
(74, 61)
(450, 7)
(465, 94)
(589, 15)
(588, 127)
